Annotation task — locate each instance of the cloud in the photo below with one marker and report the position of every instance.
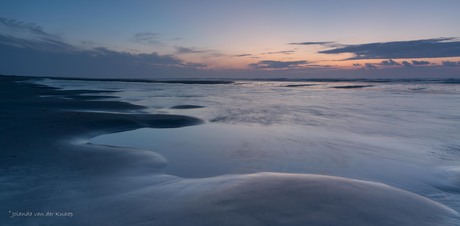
(450, 63)
(43, 44)
(147, 38)
(194, 65)
(213, 53)
(312, 43)
(27, 49)
(271, 64)
(29, 35)
(243, 55)
(415, 63)
(369, 66)
(357, 65)
(390, 63)
(186, 50)
(97, 62)
(425, 48)
(281, 52)
(87, 43)
(421, 62)
(407, 64)
(203, 53)
(21, 26)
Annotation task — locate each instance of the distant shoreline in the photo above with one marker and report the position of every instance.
(232, 80)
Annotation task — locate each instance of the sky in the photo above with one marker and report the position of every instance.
(231, 39)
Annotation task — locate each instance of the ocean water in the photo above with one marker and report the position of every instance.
(405, 134)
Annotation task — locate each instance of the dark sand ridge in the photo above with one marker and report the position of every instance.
(186, 106)
(39, 135)
(50, 119)
(299, 85)
(352, 87)
(46, 165)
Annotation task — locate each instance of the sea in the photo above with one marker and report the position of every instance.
(402, 133)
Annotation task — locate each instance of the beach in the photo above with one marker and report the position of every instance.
(51, 174)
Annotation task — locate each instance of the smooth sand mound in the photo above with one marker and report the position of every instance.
(274, 199)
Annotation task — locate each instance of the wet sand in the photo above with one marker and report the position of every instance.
(47, 165)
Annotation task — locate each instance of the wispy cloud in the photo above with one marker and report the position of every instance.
(312, 43)
(21, 26)
(144, 58)
(187, 50)
(147, 38)
(46, 54)
(286, 52)
(29, 35)
(97, 62)
(194, 65)
(272, 64)
(425, 48)
(203, 53)
(243, 55)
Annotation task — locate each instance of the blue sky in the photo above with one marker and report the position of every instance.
(161, 39)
